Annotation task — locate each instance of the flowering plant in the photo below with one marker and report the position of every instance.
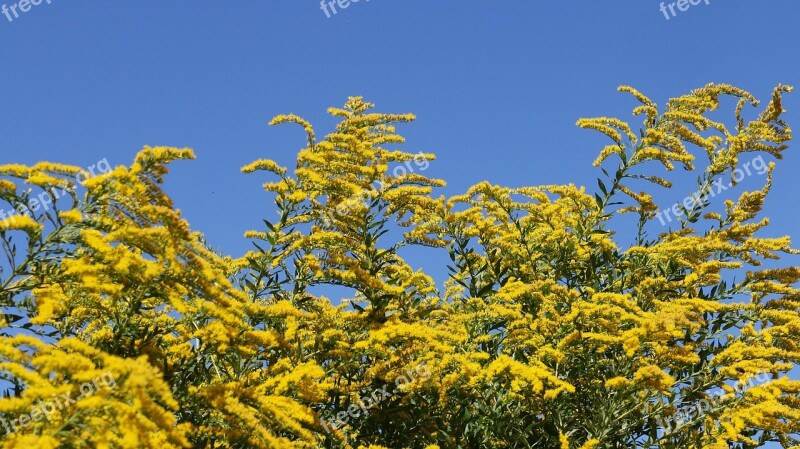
(548, 331)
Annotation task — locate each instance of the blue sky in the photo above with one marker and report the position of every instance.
(497, 86)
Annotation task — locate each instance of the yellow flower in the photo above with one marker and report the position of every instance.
(617, 383)
(264, 164)
(21, 223)
(654, 377)
(71, 216)
(591, 444)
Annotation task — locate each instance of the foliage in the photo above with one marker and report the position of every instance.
(547, 332)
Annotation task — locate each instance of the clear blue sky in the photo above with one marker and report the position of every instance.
(497, 85)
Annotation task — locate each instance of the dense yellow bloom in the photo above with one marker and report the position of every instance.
(106, 401)
(20, 223)
(591, 444)
(550, 330)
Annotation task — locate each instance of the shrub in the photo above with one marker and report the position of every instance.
(549, 330)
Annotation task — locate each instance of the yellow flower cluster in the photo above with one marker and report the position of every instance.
(549, 330)
(75, 392)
